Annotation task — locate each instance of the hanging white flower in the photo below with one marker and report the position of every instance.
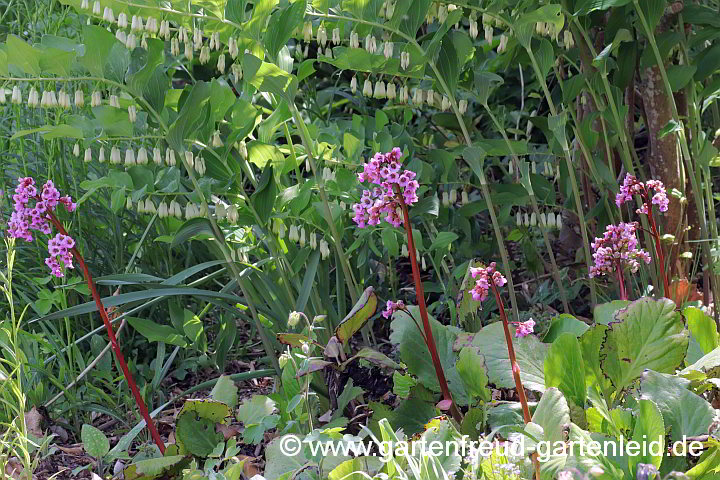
(462, 106)
(108, 15)
(114, 101)
(368, 88)
(200, 166)
(379, 89)
(88, 155)
(354, 40)
(101, 155)
(197, 38)
(388, 49)
(324, 249)
(129, 157)
(445, 104)
(115, 156)
(33, 98)
(473, 28)
(488, 34)
(16, 97)
(142, 157)
(96, 8)
(391, 92)
(204, 55)
(353, 84)
(503, 43)
(404, 60)
(132, 113)
(370, 44)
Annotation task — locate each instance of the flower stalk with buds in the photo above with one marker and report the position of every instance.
(394, 189)
(62, 248)
(652, 193)
(486, 279)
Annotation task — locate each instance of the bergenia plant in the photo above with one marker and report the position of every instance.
(36, 211)
(651, 193)
(617, 251)
(489, 279)
(393, 189)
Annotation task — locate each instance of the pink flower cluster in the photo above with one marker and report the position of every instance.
(392, 307)
(617, 249)
(384, 170)
(483, 277)
(25, 218)
(59, 247)
(631, 186)
(524, 329)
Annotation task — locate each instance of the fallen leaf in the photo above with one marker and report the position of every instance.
(14, 469)
(33, 422)
(228, 431)
(251, 466)
(60, 432)
(74, 450)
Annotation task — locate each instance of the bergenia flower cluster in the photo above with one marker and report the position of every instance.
(617, 250)
(385, 170)
(484, 277)
(27, 217)
(652, 191)
(392, 307)
(525, 328)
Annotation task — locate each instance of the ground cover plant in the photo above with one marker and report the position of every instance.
(283, 239)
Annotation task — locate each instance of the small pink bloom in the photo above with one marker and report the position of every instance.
(525, 328)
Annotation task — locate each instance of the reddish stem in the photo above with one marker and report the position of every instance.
(113, 340)
(621, 282)
(658, 249)
(659, 256)
(515, 369)
(420, 294)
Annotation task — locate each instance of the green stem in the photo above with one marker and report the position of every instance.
(466, 136)
(571, 173)
(337, 239)
(533, 201)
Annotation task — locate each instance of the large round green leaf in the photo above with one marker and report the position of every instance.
(648, 334)
(414, 352)
(529, 351)
(684, 412)
(565, 368)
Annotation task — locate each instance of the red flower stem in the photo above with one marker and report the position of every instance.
(621, 282)
(515, 369)
(113, 339)
(658, 250)
(420, 294)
